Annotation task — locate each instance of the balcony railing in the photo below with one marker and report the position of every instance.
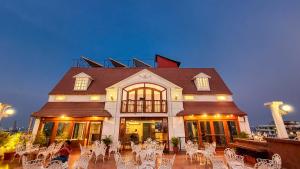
(144, 106)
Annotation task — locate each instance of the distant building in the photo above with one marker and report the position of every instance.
(270, 129)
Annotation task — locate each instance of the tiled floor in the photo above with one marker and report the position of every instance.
(180, 162)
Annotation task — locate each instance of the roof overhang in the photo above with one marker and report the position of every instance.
(72, 109)
(210, 108)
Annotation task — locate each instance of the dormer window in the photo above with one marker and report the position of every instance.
(82, 81)
(202, 82)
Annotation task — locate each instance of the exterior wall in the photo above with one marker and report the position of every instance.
(244, 124)
(175, 104)
(112, 99)
(206, 98)
(35, 127)
(76, 98)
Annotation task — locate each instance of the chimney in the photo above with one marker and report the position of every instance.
(164, 62)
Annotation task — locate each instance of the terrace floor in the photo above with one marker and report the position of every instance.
(180, 162)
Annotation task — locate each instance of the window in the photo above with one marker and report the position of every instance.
(48, 128)
(144, 97)
(78, 131)
(201, 81)
(192, 130)
(81, 84)
(63, 130)
(82, 81)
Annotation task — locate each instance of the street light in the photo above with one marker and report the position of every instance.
(6, 110)
(278, 109)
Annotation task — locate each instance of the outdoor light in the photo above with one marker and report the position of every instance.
(221, 98)
(286, 108)
(6, 110)
(278, 109)
(10, 111)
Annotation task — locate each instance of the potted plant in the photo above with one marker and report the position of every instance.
(175, 141)
(107, 140)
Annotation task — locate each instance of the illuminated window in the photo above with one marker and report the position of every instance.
(63, 130)
(144, 97)
(82, 82)
(78, 131)
(202, 82)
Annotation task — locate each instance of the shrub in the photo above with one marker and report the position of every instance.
(41, 139)
(174, 141)
(242, 135)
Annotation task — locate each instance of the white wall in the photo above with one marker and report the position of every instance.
(244, 124)
(35, 127)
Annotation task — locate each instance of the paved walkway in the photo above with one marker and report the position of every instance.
(180, 162)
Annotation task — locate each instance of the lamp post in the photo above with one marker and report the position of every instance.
(278, 108)
(6, 110)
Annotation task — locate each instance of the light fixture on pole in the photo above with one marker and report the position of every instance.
(278, 109)
(6, 110)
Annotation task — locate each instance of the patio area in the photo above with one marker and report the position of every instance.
(180, 162)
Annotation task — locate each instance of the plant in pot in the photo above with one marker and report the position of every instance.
(175, 141)
(107, 140)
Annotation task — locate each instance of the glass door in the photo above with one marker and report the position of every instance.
(232, 129)
(94, 132)
(219, 133)
(205, 132)
(192, 131)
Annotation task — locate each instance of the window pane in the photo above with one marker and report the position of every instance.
(78, 132)
(156, 95)
(48, 128)
(140, 94)
(148, 94)
(63, 130)
(232, 129)
(192, 130)
(219, 133)
(205, 132)
(95, 132)
(131, 95)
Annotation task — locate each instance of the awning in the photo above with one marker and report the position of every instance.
(198, 108)
(72, 109)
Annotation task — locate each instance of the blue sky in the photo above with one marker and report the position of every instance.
(253, 44)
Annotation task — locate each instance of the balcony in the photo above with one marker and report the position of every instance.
(144, 106)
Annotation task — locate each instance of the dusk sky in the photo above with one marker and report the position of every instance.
(254, 45)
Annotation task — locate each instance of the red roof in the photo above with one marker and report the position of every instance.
(105, 77)
(72, 109)
(197, 108)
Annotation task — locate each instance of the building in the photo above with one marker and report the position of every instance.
(292, 127)
(134, 103)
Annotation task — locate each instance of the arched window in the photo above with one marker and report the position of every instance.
(144, 97)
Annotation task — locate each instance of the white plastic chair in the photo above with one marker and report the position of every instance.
(32, 164)
(115, 147)
(232, 159)
(83, 150)
(99, 150)
(56, 164)
(83, 161)
(44, 152)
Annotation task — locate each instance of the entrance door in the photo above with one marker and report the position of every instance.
(219, 133)
(94, 132)
(147, 132)
(205, 132)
